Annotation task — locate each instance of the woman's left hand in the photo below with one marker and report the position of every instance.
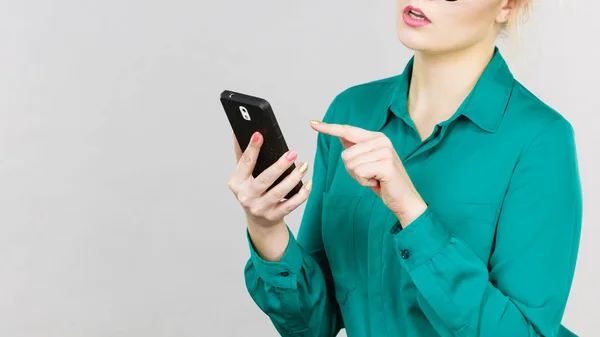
(370, 158)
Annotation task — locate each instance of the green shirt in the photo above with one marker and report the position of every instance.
(494, 253)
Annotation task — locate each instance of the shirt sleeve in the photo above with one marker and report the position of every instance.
(296, 292)
(524, 290)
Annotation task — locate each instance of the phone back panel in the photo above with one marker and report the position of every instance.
(248, 114)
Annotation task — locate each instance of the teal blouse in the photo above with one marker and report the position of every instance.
(494, 253)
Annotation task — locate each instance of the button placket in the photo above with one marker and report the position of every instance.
(430, 142)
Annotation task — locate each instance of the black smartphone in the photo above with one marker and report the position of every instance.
(248, 114)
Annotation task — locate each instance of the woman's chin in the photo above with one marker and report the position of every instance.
(414, 44)
(413, 40)
(417, 43)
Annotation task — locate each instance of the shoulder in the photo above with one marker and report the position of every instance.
(529, 119)
(359, 101)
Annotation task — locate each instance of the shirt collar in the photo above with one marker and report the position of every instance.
(484, 106)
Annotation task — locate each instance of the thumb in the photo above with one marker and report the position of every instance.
(346, 143)
(375, 186)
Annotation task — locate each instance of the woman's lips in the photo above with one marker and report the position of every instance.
(415, 17)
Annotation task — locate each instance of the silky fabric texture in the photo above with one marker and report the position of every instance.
(494, 253)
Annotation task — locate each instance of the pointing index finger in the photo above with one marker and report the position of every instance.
(348, 132)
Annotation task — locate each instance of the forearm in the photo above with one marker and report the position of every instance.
(269, 243)
(294, 292)
(291, 282)
(525, 296)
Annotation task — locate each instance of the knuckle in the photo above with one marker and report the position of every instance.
(283, 164)
(255, 210)
(278, 195)
(380, 138)
(246, 159)
(350, 166)
(290, 208)
(344, 155)
(244, 201)
(264, 179)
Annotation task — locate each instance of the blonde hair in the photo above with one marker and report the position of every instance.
(517, 17)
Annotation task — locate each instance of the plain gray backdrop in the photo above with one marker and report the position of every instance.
(115, 215)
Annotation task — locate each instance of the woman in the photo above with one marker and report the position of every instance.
(445, 201)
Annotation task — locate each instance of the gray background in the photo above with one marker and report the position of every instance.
(115, 216)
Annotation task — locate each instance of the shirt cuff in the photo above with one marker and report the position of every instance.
(282, 274)
(418, 242)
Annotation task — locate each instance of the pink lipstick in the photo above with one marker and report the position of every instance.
(415, 17)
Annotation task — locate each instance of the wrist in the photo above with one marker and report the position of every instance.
(413, 208)
(260, 229)
(271, 242)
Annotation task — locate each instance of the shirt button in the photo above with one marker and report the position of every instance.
(405, 254)
(284, 273)
(396, 228)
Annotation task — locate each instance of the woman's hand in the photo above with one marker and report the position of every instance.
(370, 158)
(265, 210)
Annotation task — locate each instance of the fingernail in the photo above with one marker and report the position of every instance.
(291, 155)
(314, 121)
(303, 167)
(308, 185)
(255, 137)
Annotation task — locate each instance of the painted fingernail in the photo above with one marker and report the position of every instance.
(308, 185)
(255, 137)
(314, 121)
(291, 155)
(302, 168)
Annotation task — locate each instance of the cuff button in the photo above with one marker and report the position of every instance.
(284, 273)
(396, 228)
